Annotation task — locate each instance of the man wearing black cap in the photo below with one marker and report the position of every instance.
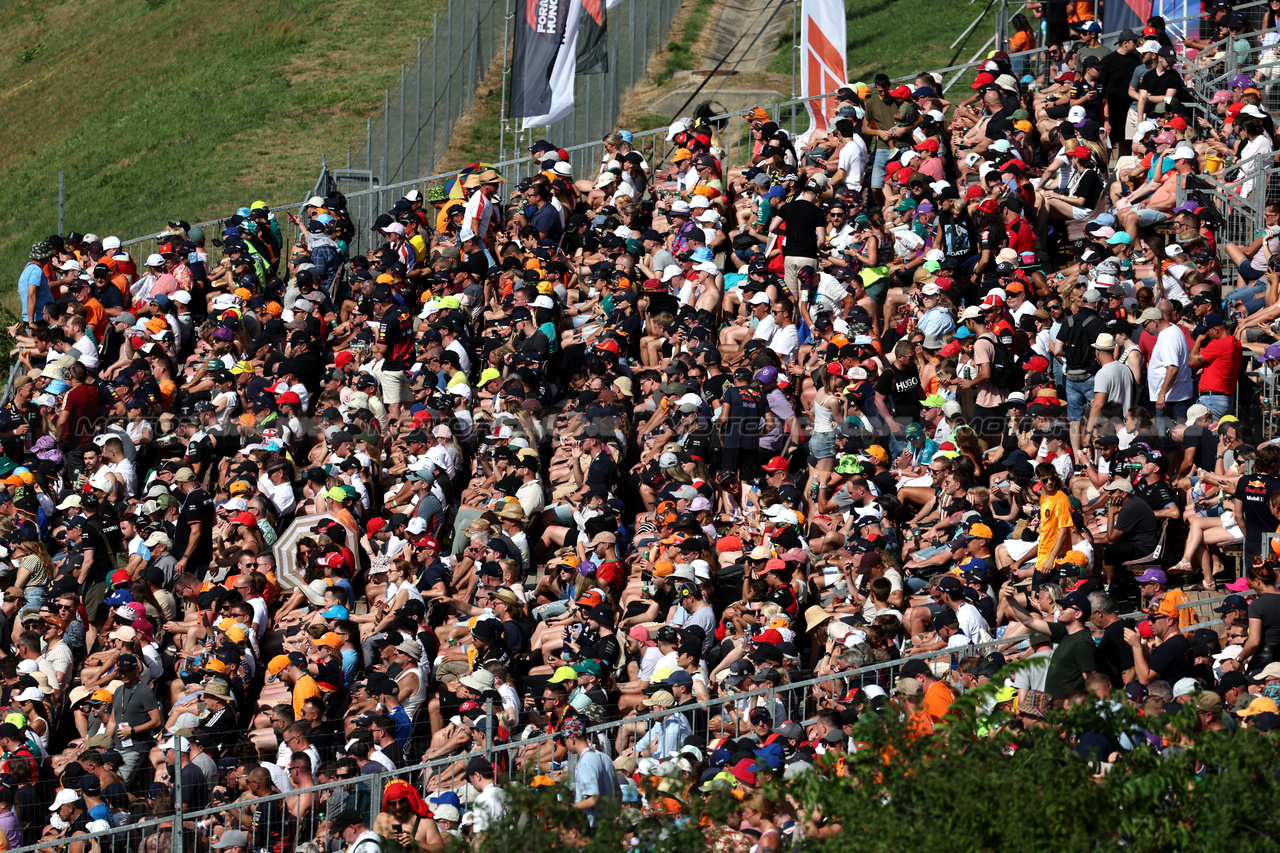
(528, 337)
(1074, 658)
(395, 343)
(1216, 356)
(491, 804)
(740, 420)
(350, 827)
(135, 717)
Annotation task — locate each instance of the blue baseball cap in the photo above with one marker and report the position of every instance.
(446, 798)
(702, 254)
(775, 192)
(337, 611)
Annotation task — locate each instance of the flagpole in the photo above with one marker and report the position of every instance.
(506, 70)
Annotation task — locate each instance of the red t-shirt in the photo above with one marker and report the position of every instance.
(84, 406)
(1219, 375)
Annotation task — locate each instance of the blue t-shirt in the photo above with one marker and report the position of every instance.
(594, 777)
(33, 276)
(350, 658)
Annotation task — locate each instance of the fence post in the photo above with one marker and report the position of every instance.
(490, 727)
(386, 131)
(448, 81)
(417, 116)
(435, 31)
(502, 114)
(400, 160)
(177, 799)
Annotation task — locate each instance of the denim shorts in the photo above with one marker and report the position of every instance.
(822, 445)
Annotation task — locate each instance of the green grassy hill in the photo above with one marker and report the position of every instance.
(900, 37)
(159, 109)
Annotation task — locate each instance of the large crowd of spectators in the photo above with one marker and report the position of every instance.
(582, 448)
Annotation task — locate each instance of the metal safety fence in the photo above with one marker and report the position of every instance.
(288, 820)
(418, 119)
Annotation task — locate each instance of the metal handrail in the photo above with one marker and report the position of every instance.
(770, 694)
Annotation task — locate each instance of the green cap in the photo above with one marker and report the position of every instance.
(588, 667)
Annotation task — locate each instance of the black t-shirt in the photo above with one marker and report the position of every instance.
(1117, 70)
(1157, 495)
(1113, 654)
(957, 236)
(1089, 188)
(95, 538)
(1082, 88)
(198, 507)
(602, 473)
(396, 332)
(999, 127)
(992, 240)
(1172, 658)
(803, 219)
(1139, 523)
(1158, 84)
(537, 342)
(785, 597)
(746, 408)
(200, 450)
(1206, 443)
(1267, 608)
(903, 386)
(1254, 493)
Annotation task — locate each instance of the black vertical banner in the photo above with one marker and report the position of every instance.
(593, 41)
(540, 26)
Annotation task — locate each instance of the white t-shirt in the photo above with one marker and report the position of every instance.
(853, 160)
(1170, 351)
(88, 352)
(648, 663)
(786, 343)
(128, 475)
(972, 626)
(488, 808)
(463, 358)
(766, 329)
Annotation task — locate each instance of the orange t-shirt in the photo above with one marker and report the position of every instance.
(305, 689)
(96, 316)
(937, 701)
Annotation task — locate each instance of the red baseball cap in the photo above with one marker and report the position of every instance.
(900, 92)
(984, 79)
(290, 397)
(777, 463)
(771, 636)
(343, 358)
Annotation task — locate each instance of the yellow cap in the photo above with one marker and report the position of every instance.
(564, 673)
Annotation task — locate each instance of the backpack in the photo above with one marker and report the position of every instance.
(1077, 350)
(1005, 372)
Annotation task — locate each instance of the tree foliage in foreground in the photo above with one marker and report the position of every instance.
(977, 784)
